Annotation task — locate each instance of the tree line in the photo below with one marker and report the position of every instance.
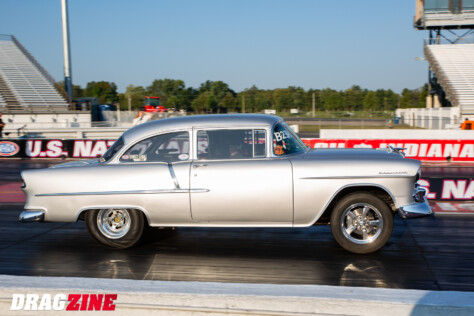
(218, 97)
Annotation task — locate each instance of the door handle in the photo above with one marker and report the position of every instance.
(199, 165)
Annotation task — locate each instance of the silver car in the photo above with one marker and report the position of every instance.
(227, 171)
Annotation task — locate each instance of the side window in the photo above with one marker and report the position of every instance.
(168, 147)
(231, 144)
(260, 143)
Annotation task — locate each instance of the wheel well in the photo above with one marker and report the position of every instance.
(377, 191)
(82, 215)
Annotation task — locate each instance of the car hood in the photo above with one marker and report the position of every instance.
(78, 163)
(353, 163)
(351, 154)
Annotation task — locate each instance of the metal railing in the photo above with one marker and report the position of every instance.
(442, 77)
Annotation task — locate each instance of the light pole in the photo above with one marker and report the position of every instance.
(67, 54)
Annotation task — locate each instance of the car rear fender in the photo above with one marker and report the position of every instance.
(82, 212)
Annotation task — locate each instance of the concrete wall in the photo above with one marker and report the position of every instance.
(136, 297)
(47, 120)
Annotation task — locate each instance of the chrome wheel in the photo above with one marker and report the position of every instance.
(361, 223)
(113, 223)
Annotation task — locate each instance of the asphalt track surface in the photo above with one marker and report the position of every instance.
(432, 253)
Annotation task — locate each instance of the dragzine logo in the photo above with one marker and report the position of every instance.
(60, 302)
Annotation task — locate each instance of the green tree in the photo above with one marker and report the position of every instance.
(251, 96)
(77, 91)
(283, 100)
(229, 102)
(371, 101)
(220, 91)
(409, 99)
(206, 86)
(317, 99)
(171, 91)
(298, 96)
(390, 101)
(200, 103)
(105, 91)
(133, 94)
(332, 99)
(354, 98)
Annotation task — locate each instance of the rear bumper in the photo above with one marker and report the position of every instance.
(31, 216)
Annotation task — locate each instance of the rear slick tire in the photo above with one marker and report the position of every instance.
(115, 228)
(361, 223)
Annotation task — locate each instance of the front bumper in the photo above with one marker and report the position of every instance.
(31, 216)
(418, 209)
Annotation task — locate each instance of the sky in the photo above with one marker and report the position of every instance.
(271, 44)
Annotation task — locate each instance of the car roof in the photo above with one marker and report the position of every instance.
(207, 121)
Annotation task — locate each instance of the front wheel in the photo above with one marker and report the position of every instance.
(361, 223)
(115, 228)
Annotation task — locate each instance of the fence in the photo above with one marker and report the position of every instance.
(431, 118)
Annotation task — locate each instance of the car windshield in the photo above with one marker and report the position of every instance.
(112, 150)
(285, 142)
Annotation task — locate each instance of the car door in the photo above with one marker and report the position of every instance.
(239, 183)
(157, 168)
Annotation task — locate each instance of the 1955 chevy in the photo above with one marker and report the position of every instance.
(246, 170)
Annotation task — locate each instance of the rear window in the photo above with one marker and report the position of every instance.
(110, 153)
(169, 147)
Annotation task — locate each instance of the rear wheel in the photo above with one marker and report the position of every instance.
(115, 228)
(361, 223)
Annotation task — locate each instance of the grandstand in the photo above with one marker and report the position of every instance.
(24, 84)
(453, 66)
(449, 51)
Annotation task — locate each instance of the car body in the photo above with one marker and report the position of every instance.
(241, 170)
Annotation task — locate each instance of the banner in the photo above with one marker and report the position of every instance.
(421, 149)
(54, 148)
(449, 189)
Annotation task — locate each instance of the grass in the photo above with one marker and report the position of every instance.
(343, 114)
(317, 128)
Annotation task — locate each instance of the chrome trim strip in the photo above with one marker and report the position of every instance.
(356, 177)
(161, 191)
(173, 175)
(31, 216)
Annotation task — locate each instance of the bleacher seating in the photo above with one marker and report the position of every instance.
(453, 65)
(24, 84)
(3, 103)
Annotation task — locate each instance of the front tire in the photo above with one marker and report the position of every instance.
(115, 228)
(361, 223)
